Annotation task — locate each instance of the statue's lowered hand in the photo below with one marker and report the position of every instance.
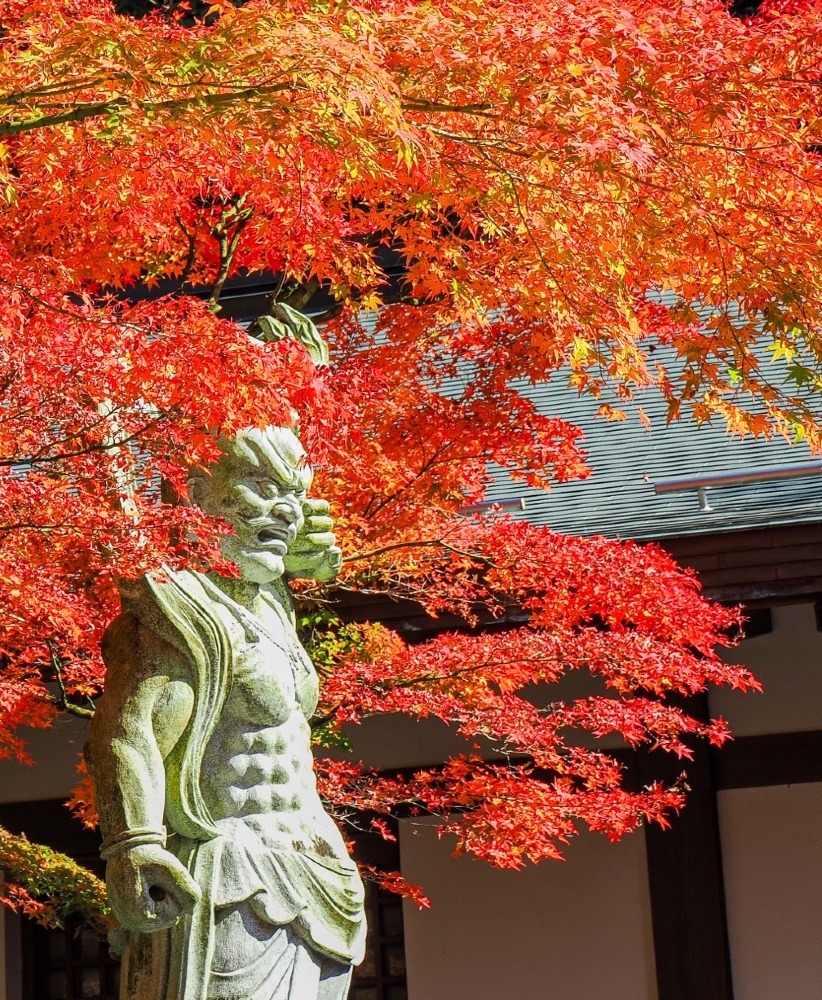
(149, 889)
(314, 554)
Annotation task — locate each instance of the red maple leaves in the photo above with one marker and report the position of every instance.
(556, 187)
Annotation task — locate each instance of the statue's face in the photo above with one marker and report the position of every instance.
(265, 510)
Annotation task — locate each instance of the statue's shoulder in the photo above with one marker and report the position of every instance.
(160, 601)
(121, 639)
(277, 597)
(131, 647)
(144, 638)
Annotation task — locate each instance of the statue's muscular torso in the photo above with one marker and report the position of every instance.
(258, 761)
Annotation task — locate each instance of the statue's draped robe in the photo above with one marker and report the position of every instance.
(316, 904)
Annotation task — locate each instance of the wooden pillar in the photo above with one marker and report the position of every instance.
(686, 883)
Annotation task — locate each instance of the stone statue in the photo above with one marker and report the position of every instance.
(229, 879)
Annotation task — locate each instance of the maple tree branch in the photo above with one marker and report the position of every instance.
(411, 103)
(227, 233)
(118, 104)
(420, 543)
(85, 430)
(299, 296)
(478, 141)
(31, 526)
(376, 507)
(191, 253)
(63, 701)
(430, 678)
(77, 114)
(73, 314)
(409, 682)
(51, 90)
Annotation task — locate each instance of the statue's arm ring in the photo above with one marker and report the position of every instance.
(132, 838)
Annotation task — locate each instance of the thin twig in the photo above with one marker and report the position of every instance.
(422, 543)
(33, 460)
(63, 702)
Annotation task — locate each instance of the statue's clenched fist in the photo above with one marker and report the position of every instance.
(314, 554)
(149, 889)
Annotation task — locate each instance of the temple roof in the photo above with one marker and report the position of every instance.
(627, 460)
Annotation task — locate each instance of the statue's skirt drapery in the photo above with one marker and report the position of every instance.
(302, 918)
(286, 967)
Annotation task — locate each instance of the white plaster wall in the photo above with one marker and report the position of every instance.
(788, 662)
(54, 773)
(568, 930)
(772, 859)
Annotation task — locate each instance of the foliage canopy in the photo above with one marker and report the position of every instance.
(548, 174)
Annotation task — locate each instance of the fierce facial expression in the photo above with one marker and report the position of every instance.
(258, 486)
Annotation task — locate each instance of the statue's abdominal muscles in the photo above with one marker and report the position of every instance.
(259, 762)
(259, 769)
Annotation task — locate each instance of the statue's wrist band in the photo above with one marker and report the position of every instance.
(132, 838)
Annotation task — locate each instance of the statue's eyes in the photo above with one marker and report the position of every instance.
(256, 487)
(265, 489)
(268, 489)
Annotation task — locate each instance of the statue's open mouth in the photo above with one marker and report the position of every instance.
(274, 538)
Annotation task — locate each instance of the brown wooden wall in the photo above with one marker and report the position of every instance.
(770, 565)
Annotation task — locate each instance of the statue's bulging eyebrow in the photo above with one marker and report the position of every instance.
(276, 450)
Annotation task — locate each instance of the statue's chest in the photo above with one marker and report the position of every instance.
(271, 675)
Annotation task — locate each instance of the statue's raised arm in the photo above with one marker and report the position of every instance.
(228, 876)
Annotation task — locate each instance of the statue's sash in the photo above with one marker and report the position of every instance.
(177, 607)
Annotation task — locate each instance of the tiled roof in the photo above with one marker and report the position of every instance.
(618, 500)
(626, 460)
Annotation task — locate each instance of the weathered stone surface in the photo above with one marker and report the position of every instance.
(228, 877)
